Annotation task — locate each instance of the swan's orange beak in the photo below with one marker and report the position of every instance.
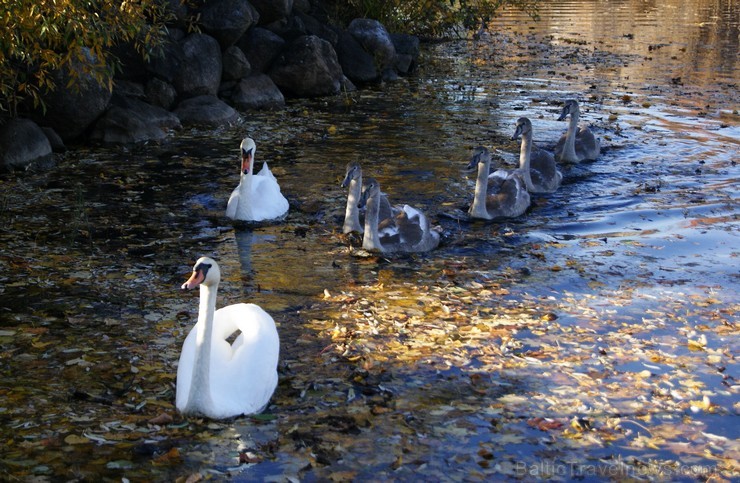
(246, 161)
(195, 279)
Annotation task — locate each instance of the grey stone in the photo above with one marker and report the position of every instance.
(257, 92)
(235, 64)
(261, 47)
(200, 71)
(308, 67)
(22, 144)
(70, 111)
(375, 39)
(130, 121)
(227, 20)
(206, 111)
(356, 63)
(160, 93)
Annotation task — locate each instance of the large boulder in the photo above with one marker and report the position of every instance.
(22, 143)
(308, 67)
(200, 71)
(313, 26)
(205, 111)
(131, 121)
(272, 10)
(375, 39)
(166, 64)
(407, 51)
(257, 92)
(235, 64)
(160, 93)
(71, 110)
(227, 20)
(261, 47)
(357, 64)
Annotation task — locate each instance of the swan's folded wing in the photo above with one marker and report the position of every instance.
(265, 171)
(411, 223)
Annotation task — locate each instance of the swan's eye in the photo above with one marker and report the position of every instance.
(202, 267)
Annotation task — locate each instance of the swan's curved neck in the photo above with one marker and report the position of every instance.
(244, 206)
(371, 238)
(199, 398)
(569, 148)
(351, 212)
(478, 208)
(525, 155)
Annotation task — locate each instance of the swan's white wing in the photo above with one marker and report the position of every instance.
(271, 202)
(499, 173)
(185, 370)
(265, 171)
(243, 374)
(233, 203)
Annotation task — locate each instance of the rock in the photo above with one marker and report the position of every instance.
(261, 47)
(166, 65)
(357, 64)
(289, 28)
(301, 6)
(235, 64)
(22, 144)
(178, 11)
(160, 93)
(128, 89)
(407, 51)
(307, 68)
(272, 10)
(375, 39)
(70, 111)
(313, 27)
(257, 92)
(133, 65)
(205, 110)
(57, 145)
(130, 120)
(228, 20)
(200, 71)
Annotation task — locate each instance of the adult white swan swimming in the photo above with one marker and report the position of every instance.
(218, 379)
(258, 196)
(578, 143)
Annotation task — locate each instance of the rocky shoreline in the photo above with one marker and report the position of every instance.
(246, 55)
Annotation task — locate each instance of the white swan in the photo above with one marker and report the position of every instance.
(538, 166)
(578, 143)
(501, 194)
(407, 231)
(258, 196)
(353, 179)
(217, 379)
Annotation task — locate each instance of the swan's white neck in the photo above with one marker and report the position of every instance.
(199, 398)
(525, 154)
(244, 207)
(478, 208)
(351, 212)
(371, 238)
(569, 147)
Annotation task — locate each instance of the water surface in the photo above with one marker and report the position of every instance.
(597, 333)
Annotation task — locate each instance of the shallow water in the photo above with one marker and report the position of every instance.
(388, 369)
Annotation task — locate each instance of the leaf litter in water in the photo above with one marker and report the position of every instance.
(456, 365)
